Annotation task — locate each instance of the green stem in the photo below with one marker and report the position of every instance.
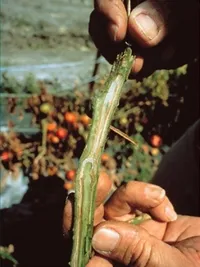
(104, 106)
(44, 142)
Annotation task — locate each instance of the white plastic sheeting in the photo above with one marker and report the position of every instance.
(14, 188)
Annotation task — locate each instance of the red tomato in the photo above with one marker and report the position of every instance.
(51, 126)
(70, 175)
(85, 119)
(156, 140)
(61, 133)
(6, 156)
(53, 138)
(105, 157)
(70, 117)
(68, 185)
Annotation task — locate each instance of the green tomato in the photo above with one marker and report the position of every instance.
(46, 108)
(123, 121)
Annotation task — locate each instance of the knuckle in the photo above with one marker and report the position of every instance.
(142, 254)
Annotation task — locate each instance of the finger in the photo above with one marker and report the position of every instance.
(116, 16)
(151, 21)
(164, 211)
(148, 23)
(98, 31)
(143, 196)
(68, 214)
(178, 48)
(133, 246)
(171, 34)
(138, 65)
(103, 189)
(99, 214)
(174, 45)
(109, 49)
(99, 261)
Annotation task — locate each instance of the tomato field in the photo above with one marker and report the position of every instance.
(44, 130)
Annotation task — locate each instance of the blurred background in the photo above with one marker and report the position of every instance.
(50, 71)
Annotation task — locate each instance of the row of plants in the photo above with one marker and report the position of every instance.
(59, 124)
(62, 124)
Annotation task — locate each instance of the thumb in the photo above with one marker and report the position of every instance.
(133, 246)
(151, 21)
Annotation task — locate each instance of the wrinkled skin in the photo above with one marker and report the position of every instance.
(164, 240)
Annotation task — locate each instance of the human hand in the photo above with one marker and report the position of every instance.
(170, 243)
(162, 241)
(105, 212)
(163, 34)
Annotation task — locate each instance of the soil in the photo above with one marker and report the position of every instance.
(36, 25)
(46, 32)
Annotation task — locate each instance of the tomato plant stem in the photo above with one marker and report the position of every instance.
(104, 106)
(44, 141)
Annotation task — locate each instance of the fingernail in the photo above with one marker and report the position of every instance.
(105, 240)
(170, 213)
(154, 192)
(147, 25)
(113, 32)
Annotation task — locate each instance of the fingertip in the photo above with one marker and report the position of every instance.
(147, 24)
(134, 195)
(170, 214)
(164, 212)
(68, 214)
(117, 31)
(113, 32)
(154, 193)
(115, 14)
(137, 65)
